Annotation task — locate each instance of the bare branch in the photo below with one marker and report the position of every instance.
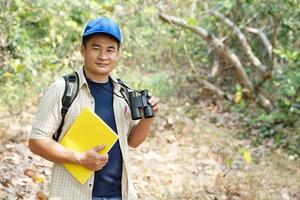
(275, 30)
(211, 87)
(247, 48)
(219, 48)
(182, 23)
(222, 51)
(190, 60)
(263, 38)
(265, 103)
(215, 71)
(193, 7)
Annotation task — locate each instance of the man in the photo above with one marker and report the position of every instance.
(100, 92)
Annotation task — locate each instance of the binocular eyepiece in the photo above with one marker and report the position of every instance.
(137, 101)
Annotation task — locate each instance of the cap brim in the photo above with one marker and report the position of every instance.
(100, 32)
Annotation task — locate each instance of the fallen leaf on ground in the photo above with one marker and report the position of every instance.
(40, 196)
(247, 156)
(36, 177)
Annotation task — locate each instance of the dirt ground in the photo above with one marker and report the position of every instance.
(183, 158)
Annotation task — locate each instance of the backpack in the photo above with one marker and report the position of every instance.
(70, 93)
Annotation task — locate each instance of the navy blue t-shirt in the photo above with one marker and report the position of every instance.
(107, 181)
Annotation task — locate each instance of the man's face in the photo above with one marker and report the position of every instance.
(101, 55)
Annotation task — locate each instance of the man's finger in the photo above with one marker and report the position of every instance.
(156, 108)
(103, 157)
(99, 148)
(153, 101)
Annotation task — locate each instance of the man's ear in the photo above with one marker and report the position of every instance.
(119, 54)
(82, 50)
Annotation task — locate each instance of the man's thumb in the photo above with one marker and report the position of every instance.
(98, 148)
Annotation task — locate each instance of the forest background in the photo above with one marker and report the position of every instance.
(227, 73)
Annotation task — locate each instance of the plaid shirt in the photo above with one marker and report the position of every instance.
(63, 185)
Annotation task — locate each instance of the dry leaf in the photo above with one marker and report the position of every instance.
(238, 97)
(247, 156)
(40, 196)
(36, 177)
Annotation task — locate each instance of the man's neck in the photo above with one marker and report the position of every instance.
(95, 78)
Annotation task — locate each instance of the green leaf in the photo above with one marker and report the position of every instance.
(228, 161)
(191, 21)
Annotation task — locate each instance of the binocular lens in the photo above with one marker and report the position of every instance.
(140, 101)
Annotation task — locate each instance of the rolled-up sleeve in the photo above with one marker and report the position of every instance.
(48, 117)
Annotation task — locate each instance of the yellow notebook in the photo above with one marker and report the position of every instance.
(87, 131)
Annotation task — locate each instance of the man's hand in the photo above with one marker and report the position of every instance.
(55, 152)
(92, 160)
(139, 132)
(154, 102)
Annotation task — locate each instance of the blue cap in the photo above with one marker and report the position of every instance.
(102, 25)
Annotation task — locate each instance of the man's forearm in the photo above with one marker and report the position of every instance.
(53, 151)
(140, 132)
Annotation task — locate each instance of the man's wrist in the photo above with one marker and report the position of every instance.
(148, 120)
(77, 158)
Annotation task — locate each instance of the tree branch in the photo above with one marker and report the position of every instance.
(211, 87)
(190, 60)
(275, 30)
(263, 38)
(265, 103)
(182, 23)
(245, 45)
(193, 7)
(215, 70)
(219, 48)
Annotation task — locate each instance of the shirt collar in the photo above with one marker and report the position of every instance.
(82, 80)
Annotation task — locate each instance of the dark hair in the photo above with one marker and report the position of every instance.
(87, 38)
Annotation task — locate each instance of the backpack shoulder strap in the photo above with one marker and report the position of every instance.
(124, 90)
(124, 87)
(70, 93)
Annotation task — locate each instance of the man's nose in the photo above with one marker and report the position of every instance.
(102, 55)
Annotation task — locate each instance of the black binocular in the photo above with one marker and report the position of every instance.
(137, 101)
